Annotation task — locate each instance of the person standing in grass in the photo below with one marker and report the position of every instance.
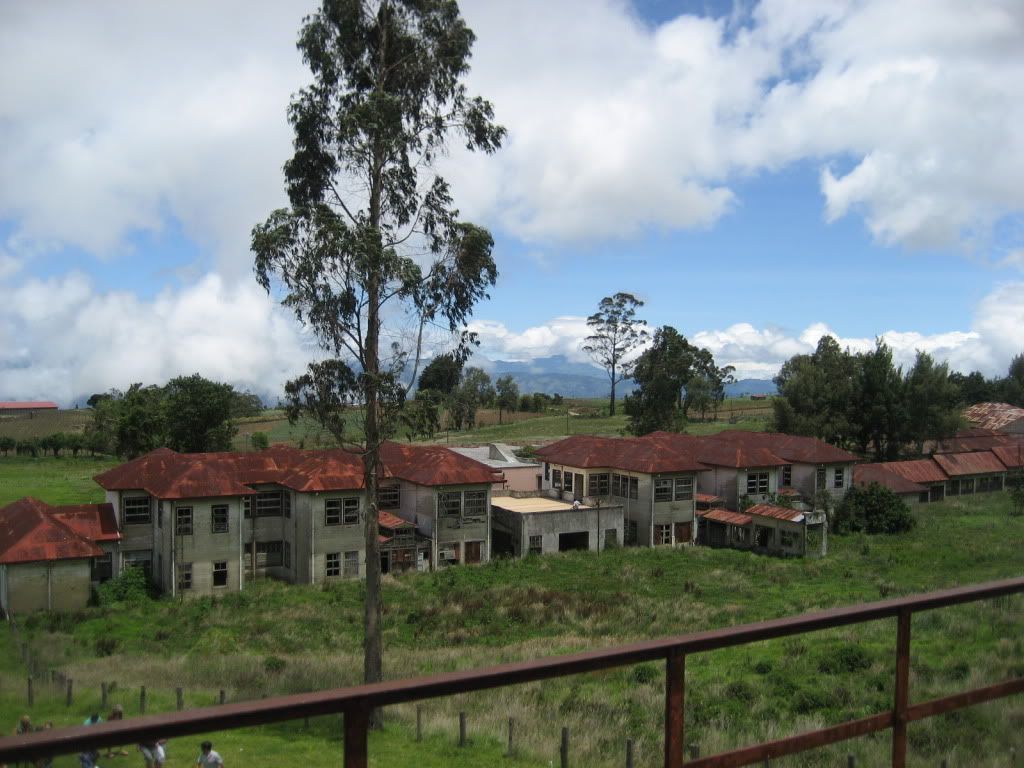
(154, 753)
(117, 713)
(208, 758)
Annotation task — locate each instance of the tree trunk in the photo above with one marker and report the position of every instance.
(373, 646)
(611, 405)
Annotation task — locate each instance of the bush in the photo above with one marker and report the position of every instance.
(645, 673)
(129, 587)
(873, 509)
(274, 664)
(260, 441)
(848, 658)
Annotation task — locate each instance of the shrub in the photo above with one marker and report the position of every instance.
(260, 441)
(645, 673)
(131, 586)
(105, 646)
(848, 658)
(274, 664)
(873, 509)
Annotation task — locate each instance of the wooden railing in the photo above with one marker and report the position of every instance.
(357, 702)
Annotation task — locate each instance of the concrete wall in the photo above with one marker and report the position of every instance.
(805, 479)
(521, 478)
(335, 538)
(203, 547)
(549, 525)
(775, 546)
(60, 585)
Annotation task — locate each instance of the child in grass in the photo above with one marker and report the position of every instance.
(208, 758)
(154, 753)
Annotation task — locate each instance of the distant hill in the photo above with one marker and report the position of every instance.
(570, 379)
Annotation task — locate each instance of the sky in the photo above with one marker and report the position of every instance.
(758, 173)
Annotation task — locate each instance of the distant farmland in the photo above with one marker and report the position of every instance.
(24, 426)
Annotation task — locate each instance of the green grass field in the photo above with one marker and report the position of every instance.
(277, 638)
(61, 480)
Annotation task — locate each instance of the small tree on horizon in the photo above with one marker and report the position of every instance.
(615, 332)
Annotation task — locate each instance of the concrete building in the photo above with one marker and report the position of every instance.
(535, 525)
(1001, 417)
(50, 557)
(762, 528)
(519, 475)
(201, 523)
(969, 473)
(653, 480)
(923, 472)
(866, 474)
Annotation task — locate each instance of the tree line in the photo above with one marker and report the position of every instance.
(866, 403)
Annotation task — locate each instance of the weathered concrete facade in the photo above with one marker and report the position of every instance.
(539, 524)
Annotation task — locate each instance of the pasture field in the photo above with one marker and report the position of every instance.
(276, 638)
(61, 480)
(43, 423)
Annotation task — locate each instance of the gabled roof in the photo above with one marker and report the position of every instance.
(29, 532)
(779, 513)
(993, 415)
(651, 454)
(866, 474)
(725, 516)
(95, 522)
(918, 470)
(795, 449)
(973, 463)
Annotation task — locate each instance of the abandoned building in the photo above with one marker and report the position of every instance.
(199, 523)
(879, 473)
(536, 524)
(519, 474)
(762, 528)
(51, 556)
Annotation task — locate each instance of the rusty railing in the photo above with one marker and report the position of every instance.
(356, 702)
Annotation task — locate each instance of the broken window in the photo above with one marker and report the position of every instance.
(220, 573)
(556, 478)
(536, 545)
(663, 534)
(567, 481)
(787, 538)
(684, 489)
(351, 564)
(135, 510)
(341, 511)
(219, 515)
(184, 576)
(663, 489)
(183, 521)
(757, 483)
(474, 506)
(389, 497)
(820, 479)
(837, 477)
(332, 565)
(787, 476)
(631, 532)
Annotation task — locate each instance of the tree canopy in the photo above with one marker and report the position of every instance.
(371, 230)
(615, 332)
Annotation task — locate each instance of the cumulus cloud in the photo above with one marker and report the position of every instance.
(60, 339)
(128, 117)
(988, 346)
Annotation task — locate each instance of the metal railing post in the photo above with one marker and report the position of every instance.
(899, 712)
(357, 725)
(675, 681)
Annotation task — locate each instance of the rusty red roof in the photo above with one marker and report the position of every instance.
(707, 498)
(390, 521)
(166, 474)
(95, 522)
(29, 532)
(434, 465)
(918, 470)
(779, 513)
(27, 405)
(1011, 455)
(973, 463)
(795, 449)
(994, 415)
(725, 516)
(866, 474)
(651, 454)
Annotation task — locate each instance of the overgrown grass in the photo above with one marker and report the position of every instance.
(276, 638)
(61, 480)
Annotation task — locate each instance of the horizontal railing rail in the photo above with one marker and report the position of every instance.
(356, 702)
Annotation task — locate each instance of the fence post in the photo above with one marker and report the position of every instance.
(70, 697)
(179, 694)
(142, 700)
(31, 693)
(222, 697)
(629, 753)
(462, 729)
(899, 712)
(511, 730)
(357, 723)
(103, 695)
(564, 751)
(675, 676)
(851, 761)
(419, 722)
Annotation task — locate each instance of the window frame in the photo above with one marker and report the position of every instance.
(686, 481)
(449, 505)
(662, 534)
(567, 482)
(385, 494)
(146, 518)
(596, 481)
(272, 553)
(474, 505)
(758, 480)
(838, 478)
(556, 479)
(341, 510)
(350, 565)
(184, 521)
(215, 511)
(821, 478)
(332, 565)
(184, 577)
(220, 572)
(787, 476)
(535, 545)
(787, 538)
(664, 489)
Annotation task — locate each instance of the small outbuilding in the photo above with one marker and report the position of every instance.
(536, 524)
(866, 474)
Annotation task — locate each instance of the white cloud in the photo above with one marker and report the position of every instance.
(125, 117)
(993, 339)
(59, 339)
(8, 265)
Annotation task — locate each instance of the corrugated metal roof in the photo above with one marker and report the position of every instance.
(651, 454)
(391, 521)
(707, 498)
(993, 415)
(165, 474)
(779, 513)
(795, 449)
(973, 463)
(29, 532)
(725, 516)
(95, 522)
(866, 474)
(918, 470)
(1011, 455)
(27, 405)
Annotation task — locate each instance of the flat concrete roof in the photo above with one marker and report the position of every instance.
(531, 504)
